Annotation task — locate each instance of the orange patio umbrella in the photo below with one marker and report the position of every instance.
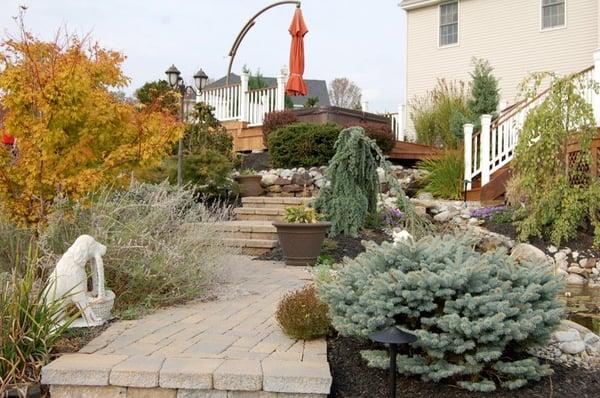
(295, 84)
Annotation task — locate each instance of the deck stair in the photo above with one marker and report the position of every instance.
(252, 229)
(489, 151)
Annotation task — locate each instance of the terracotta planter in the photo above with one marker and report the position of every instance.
(301, 243)
(249, 185)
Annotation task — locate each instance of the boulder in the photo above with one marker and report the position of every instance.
(282, 181)
(591, 338)
(572, 347)
(527, 252)
(292, 188)
(575, 270)
(587, 263)
(574, 279)
(302, 179)
(274, 188)
(424, 196)
(444, 216)
(269, 179)
(567, 335)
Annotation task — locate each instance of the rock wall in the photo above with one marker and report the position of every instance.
(306, 182)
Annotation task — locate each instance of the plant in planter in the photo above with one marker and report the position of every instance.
(249, 182)
(301, 235)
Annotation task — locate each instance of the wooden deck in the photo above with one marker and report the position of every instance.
(412, 151)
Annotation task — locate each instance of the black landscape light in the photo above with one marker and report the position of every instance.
(394, 337)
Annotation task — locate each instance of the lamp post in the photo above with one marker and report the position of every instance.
(177, 83)
(393, 336)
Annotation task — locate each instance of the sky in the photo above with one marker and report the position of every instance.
(361, 40)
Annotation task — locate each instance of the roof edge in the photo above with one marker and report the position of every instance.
(408, 5)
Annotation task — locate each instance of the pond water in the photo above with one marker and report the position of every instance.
(583, 306)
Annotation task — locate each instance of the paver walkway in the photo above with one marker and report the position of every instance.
(231, 347)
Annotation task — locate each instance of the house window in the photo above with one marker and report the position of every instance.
(449, 23)
(553, 14)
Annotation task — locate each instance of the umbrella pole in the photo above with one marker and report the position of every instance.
(245, 30)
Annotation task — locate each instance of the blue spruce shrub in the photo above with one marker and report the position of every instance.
(475, 314)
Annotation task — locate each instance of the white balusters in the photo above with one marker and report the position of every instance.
(595, 97)
(468, 130)
(486, 121)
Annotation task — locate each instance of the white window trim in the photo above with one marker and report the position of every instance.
(439, 8)
(563, 26)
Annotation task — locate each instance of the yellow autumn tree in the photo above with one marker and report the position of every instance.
(72, 132)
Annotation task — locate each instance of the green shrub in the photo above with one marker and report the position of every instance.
(437, 116)
(474, 314)
(303, 144)
(445, 175)
(302, 315)
(161, 247)
(28, 330)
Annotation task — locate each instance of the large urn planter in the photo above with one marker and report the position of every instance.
(249, 185)
(301, 242)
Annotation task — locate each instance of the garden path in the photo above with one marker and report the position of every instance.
(230, 347)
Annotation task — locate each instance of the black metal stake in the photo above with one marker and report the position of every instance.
(393, 355)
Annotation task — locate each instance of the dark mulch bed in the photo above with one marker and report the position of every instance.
(75, 339)
(352, 378)
(338, 247)
(583, 243)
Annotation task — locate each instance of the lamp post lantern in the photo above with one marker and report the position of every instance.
(393, 337)
(176, 82)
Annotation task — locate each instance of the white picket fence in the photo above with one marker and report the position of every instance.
(491, 148)
(237, 102)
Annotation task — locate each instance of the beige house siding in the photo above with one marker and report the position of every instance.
(505, 32)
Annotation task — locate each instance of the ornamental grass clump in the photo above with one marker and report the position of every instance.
(302, 315)
(28, 324)
(162, 244)
(475, 314)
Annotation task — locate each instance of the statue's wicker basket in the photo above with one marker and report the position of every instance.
(103, 306)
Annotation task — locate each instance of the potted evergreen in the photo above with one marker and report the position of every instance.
(301, 235)
(249, 183)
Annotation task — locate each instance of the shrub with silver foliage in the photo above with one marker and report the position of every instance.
(474, 314)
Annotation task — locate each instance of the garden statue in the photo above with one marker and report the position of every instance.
(68, 282)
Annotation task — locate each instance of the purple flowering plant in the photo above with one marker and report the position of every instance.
(488, 212)
(391, 217)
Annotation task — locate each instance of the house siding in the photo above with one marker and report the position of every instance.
(508, 34)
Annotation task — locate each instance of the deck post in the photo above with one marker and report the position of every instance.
(468, 130)
(400, 136)
(486, 121)
(595, 95)
(244, 97)
(281, 82)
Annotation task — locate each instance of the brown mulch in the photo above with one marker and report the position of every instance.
(338, 247)
(352, 378)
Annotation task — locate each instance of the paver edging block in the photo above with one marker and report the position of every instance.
(296, 377)
(137, 371)
(188, 373)
(80, 369)
(238, 375)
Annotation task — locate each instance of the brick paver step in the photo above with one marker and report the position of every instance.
(259, 243)
(276, 203)
(247, 229)
(258, 213)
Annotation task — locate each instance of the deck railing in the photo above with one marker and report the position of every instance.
(237, 102)
(491, 148)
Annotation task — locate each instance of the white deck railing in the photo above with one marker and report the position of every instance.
(490, 149)
(237, 102)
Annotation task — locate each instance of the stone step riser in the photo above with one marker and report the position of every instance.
(268, 205)
(250, 235)
(258, 217)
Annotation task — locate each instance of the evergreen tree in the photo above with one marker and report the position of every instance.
(485, 94)
(474, 314)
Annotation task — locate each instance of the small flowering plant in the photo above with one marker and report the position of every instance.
(391, 217)
(488, 212)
